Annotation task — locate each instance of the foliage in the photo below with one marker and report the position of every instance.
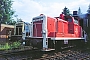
(6, 12)
(10, 46)
(15, 44)
(79, 11)
(66, 11)
(4, 47)
(88, 9)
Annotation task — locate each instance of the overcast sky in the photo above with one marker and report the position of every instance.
(27, 9)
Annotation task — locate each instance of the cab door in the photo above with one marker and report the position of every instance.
(37, 29)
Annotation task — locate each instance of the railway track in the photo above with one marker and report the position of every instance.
(67, 54)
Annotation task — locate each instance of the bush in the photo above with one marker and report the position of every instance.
(8, 46)
(16, 44)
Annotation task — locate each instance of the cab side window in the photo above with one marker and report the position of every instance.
(69, 20)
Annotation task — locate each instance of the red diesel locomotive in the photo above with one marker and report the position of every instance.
(51, 33)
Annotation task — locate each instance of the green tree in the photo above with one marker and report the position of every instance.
(6, 12)
(79, 11)
(66, 11)
(88, 9)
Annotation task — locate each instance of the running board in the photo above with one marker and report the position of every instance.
(65, 38)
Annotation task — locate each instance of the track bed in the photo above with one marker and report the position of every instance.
(66, 54)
